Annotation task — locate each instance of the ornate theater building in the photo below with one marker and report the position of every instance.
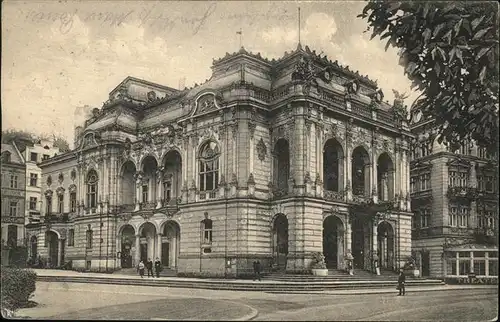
(269, 160)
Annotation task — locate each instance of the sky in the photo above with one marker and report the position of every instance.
(60, 58)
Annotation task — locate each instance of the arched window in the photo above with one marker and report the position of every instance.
(209, 167)
(92, 189)
(281, 164)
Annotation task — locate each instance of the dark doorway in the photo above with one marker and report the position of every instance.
(126, 257)
(53, 244)
(280, 240)
(144, 252)
(165, 254)
(332, 241)
(358, 243)
(426, 261)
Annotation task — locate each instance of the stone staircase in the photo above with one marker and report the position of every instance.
(166, 272)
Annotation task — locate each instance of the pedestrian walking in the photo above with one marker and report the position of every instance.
(401, 283)
(149, 266)
(257, 269)
(158, 267)
(140, 268)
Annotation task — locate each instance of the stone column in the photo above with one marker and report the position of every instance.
(138, 182)
(59, 251)
(348, 174)
(374, 241)
(158, 245)
(348, 237)
(137, 249)
(159, 188)
(374, 190)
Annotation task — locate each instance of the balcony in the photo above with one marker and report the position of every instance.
(56, 218)
(486, 195)
(485, 235)
(467, 193)
(148, 205)
(279, 193)
(126, 208)
(334, 195)
(204, 195)
(361, 199)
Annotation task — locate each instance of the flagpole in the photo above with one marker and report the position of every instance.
(299, 25)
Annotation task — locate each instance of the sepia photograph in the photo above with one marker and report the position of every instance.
(250, 160)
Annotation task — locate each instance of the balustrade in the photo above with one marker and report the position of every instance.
(334, 195)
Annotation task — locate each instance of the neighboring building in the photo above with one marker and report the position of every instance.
(33, 152)
(13, 195)
(455, 201)
(269, 159)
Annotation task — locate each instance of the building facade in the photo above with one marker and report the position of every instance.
(269, 159)
(455, 200)
(13, 195)
(33, 152)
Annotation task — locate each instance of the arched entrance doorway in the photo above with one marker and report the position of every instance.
(358, 243)
(170, 244)
(34, 247)
(385, 235)
(127, 241)
(280, 240)
(147, 241)
(333, 241)
(53, 245)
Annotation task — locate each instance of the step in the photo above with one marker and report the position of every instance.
(236, 285)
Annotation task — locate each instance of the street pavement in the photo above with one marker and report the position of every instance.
(75, 301)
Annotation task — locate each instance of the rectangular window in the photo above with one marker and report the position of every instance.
(413, 184)
(89, 235)
(425, 218)
(493, 268)
(33, 179)
(45, 157)
(480, 183)
(48, 209)
(60, 203)
(464, 217)
(34, 156)
(489, 184)
(479, 267)
(464, 267)
(33, 201)
(145, 193)
(452, 178)
(209, 175)
(414, 220)
(13, 209)
(13, 181)
(72, 201)
(207, 231)
(453, 217)
(451, 267)
(463, 179)
(71, 237)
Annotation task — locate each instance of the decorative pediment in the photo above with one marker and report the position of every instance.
(72, 188)
(48, 193)
(419, 165)
(60, 191)
(208, 102)
(459, 163)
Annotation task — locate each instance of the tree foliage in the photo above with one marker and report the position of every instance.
(450, 53)
(19, 136)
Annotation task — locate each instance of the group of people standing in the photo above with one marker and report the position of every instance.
(149, 266)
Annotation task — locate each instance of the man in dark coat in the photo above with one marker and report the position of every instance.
(149, 266)
(157, 267)
(401, 283)
(257, 269)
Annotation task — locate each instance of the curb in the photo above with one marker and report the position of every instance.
(384, 291)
